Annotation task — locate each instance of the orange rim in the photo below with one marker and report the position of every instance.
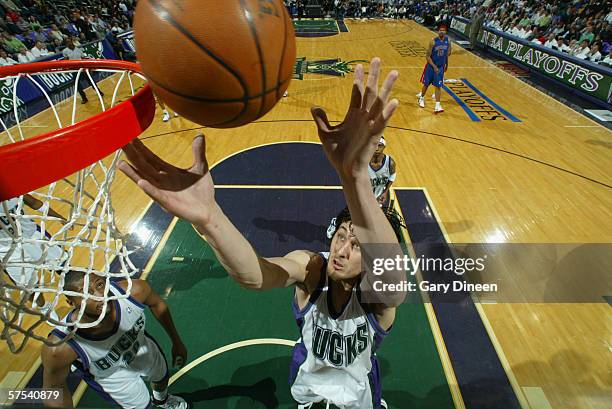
(30, 164)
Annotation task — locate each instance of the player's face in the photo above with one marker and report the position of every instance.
(442, 32)
(93, 308)
(344, 254)
(380, 148)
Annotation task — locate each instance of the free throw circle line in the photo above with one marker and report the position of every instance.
(223, 349)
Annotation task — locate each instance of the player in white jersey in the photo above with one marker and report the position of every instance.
(14, 250)
(115, 356)
(382, 173)
(334, 377)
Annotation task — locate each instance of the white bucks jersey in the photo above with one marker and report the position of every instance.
(379, 178)
(101, 356)
(335, 360)
(19, 257)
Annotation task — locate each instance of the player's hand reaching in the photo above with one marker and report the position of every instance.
(186, 193)
(179, 354)
(351, 144)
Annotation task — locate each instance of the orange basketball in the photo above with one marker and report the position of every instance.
(221, 64)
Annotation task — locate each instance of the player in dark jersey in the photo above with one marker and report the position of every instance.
(437, 63)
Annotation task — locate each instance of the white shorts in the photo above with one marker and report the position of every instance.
(126, 387)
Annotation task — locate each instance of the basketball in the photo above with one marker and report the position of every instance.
(221, 64)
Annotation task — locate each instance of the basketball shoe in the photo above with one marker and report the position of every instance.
(172, 402)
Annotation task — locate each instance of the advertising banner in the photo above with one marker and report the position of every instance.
(28, 97)
(592, 80)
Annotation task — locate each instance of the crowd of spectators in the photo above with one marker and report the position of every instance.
(33, 29)
(366, 8)
(581, 28)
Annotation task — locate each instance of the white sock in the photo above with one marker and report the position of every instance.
(420, 95)
(160, 396)
(438, 105)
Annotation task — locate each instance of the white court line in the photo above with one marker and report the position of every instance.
(235, 345)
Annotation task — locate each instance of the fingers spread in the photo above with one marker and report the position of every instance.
(383, 97)
(378, 124)
(146, 153)
(144, 168)
(154, 193)
(390, 109)
(320, 118)
(376, 109)
(358, 81)
(198, 147)
(129, 171)
(356, 96)
(387, 86)
(371, 91)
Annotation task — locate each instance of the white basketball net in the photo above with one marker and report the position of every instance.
(38, 249)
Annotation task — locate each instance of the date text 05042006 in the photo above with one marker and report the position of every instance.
(9, 396)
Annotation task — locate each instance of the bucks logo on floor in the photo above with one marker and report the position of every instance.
(334, 67)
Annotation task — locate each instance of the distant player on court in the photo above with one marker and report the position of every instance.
(341, 316)
(382, 173)
(113, 356)
(29, 252)
(437, 63)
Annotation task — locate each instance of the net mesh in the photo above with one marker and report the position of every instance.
(66, 226)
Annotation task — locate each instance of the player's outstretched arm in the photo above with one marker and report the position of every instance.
(349, 147)
(190, 195)
(56, 363)
(142, 291)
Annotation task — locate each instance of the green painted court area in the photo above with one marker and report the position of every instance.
(211, 312)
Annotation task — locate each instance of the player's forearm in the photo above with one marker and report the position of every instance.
(377, 239)
(370, 223)
(161, 312)
(232, 249)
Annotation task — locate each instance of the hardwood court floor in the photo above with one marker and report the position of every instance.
(545, 179)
